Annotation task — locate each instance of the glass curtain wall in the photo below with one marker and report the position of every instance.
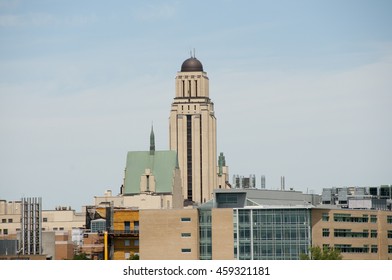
(205, 234)
(271, 234)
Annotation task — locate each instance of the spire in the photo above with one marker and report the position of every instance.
(152, 141)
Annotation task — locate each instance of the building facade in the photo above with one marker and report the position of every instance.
(358, 234)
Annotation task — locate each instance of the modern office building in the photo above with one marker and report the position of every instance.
(242, 224)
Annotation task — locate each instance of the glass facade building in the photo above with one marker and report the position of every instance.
(271, 234)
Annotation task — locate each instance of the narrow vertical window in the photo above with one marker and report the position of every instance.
(183, 88)
(189, 89)
(189, 156)
(196, 87)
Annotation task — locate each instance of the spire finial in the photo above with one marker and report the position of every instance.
(152, 141)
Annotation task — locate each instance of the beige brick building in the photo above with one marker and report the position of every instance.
(358, 234)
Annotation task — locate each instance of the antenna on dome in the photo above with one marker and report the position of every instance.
(194, 53)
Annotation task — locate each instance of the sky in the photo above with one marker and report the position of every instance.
(301, 89)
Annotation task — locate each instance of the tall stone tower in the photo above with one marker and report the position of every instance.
(193, 132)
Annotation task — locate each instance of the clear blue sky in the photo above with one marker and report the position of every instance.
(301, 89)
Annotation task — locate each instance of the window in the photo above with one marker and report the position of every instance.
(127, 226)
(3, 221)
(347, 218)
(45, 220)
(373, 233)
(373, 218)
(389, 249)
(389, 219)
(325, 217)
(389, 233)
(127, 242)
(61, 228)
(0, 230)
(5, 231)
(10, 220)
(55, 228)
(185, 234)
(186, 250)
(136, 242)
(374, 249)
(185, 219)
(127, 255)
(325, 232)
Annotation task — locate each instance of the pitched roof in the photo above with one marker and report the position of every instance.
(162, 165)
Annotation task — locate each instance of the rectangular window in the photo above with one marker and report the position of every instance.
(136, 225)
(185, 219)
(325, 217)
(5, 231)
(374, 249)
(389, 249)
(136, 242)
(55, 228)
(185, 234)
(389, 219)
(325, 232)
(127, 226)
(10, 220)
(3, 221)
(45, 220)
(373, 218)
(185, 250)
(373, 233)
(389, 234)
(127, 242)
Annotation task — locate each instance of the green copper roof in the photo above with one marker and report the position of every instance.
(162, 165)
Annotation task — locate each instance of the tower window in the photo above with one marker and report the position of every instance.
(196, 87)
(189, 155)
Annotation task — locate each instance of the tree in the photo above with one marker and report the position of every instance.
(326, 253)
(81, 256)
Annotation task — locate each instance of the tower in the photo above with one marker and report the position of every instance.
(193, 132)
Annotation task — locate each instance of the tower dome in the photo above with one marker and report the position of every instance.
(191, 65)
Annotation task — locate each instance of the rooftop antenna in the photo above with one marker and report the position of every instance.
(194, 53)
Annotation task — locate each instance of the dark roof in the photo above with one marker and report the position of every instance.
(191, 65)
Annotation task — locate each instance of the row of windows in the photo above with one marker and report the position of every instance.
(347, 218)
(127, 242)
(5, 221)
(350, 234)
(347, 248)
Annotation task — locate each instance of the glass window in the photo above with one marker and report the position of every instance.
(389, 234)
(389, 219)
(325, 232)
(136, 242)
(5, 231)
(186, 250)
(45, 220)
(325, 217)
(127, 242)
(185, 234)
(185, 219)
(10, 220)
(373, 233)
(389, 249)
(373, 218)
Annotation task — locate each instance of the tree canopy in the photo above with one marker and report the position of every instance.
(326, 253)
